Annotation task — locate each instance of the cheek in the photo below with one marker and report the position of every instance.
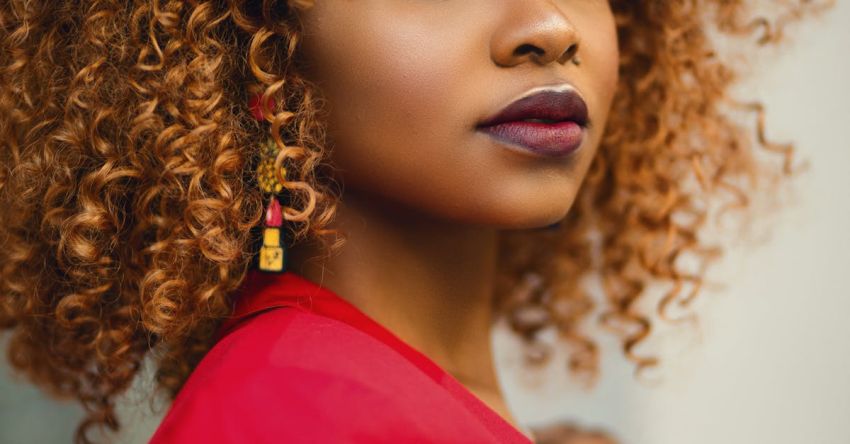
(601, 47)
(390, 93)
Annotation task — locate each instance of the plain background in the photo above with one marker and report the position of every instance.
(770, 359)
(770, 362)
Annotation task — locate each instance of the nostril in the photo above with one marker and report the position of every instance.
(569, 53)
(528, 48)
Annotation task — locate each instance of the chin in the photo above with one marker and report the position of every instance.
(532, 211)
(508, 215)
(532, 220)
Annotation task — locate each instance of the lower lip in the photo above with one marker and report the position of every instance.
(548, 139)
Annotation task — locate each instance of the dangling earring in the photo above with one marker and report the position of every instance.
(273, 255)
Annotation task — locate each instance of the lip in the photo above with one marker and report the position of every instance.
(564, 116)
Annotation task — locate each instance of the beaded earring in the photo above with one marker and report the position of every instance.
(273, 255)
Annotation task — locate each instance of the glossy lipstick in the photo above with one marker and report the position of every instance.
(547, 121)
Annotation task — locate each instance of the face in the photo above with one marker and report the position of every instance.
(408, 82)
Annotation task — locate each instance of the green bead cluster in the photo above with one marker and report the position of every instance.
(266, 177)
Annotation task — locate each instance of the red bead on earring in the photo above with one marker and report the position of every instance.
(254, 105)
(272, 252)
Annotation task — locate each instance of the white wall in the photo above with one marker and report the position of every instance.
(771, 361)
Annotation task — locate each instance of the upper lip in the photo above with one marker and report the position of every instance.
(564, 104)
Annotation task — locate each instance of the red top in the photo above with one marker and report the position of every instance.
(320, 370)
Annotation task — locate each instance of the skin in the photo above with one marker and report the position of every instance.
(405, 83)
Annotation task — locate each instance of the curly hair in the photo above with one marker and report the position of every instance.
(126, 180)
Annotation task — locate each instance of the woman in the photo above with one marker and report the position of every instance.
(309, 214)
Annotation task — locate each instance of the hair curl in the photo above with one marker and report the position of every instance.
(126, 160)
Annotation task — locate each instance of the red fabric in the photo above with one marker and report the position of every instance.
(298, 363)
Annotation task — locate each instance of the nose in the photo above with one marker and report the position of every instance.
(536, 31)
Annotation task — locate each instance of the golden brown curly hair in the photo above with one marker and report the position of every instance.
(128, 196)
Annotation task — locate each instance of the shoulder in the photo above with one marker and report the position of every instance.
(290, 372)
(291, 341)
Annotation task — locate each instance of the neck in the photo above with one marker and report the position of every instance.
(428, 281)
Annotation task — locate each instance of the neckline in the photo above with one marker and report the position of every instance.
(262, 291)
